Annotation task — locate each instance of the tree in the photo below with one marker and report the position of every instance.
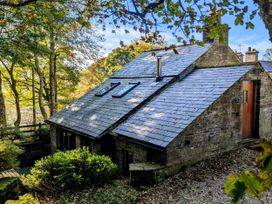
(268, 54)
(182, 17)
(50, 40)
(266, 14)
(3, 120)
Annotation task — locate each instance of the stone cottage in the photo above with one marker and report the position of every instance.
(170, 109)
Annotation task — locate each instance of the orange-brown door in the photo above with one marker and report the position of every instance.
(247, 109)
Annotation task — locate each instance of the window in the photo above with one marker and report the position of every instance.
(65, 140)
(107, 89)
(125, 90)
(86, 142)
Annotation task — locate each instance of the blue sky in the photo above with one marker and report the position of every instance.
(240, 38)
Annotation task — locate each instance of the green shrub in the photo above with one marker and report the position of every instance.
(25, 199)
(9, 153)
(8, 189)
(70, 169)
(42, 134)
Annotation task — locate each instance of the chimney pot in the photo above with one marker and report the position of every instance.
(252, 55)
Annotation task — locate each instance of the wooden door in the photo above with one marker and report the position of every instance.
(247, 109)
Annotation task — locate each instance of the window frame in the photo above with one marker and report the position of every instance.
(103, 92)
(122, 93)
(65, 140)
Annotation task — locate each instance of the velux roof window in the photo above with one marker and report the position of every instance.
(122, 92)
(107, 89)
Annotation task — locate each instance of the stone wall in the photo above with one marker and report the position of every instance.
(218, 129)
(219, 55)
(53, 138)
(140, 154)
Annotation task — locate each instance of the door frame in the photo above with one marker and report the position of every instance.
(250, 109)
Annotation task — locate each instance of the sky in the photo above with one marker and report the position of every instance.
(240, 38)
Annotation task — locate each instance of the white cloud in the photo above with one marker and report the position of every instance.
(242, 44)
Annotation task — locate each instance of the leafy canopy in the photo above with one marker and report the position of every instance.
(183, 18)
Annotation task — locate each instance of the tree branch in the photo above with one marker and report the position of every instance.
(16, 5)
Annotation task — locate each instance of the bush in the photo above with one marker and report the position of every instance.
(9, 153)
(8, 189)
(42, 134)
(68, 170)
(25, 199)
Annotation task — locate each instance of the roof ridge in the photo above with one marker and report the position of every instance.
(175, 46)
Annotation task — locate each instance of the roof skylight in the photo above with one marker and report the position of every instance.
(125, 90)
(107, 89)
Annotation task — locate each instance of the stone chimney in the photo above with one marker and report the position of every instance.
(240, 55)
(252, 55)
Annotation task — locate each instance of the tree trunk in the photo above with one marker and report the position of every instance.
(52, 71)
(33, 97)
(16, 96)
(266, 14)
(41, 78)
(3, 121)
(13, 86)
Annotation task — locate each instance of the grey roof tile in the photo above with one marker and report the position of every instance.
(172, 64)
(92, 115)
(164, 117)
(267, 65)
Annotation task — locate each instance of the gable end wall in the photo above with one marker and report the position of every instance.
(218, 56)
(218, 129)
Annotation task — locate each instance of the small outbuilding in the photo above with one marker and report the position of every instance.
(163, 111)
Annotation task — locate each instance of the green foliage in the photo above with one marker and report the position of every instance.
(42, 134)
(9, 153)
(8, 188)
(70, 169)
(248, 182)
(25, 199)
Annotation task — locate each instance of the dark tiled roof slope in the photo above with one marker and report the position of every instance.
(172, 64)
(168, 114)
(267, 65)
(92, 115)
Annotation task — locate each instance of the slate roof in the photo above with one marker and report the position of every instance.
(169, 113)
(93, 115)
(267, 65)
(172, 64)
